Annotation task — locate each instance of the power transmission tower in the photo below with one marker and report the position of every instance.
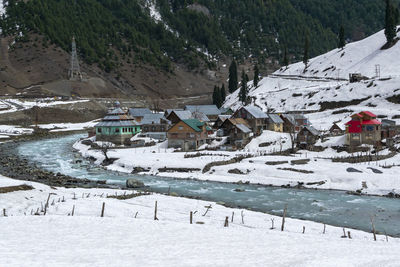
(75, 71)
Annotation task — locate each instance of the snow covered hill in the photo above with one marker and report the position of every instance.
(328, 100)
(358, 57)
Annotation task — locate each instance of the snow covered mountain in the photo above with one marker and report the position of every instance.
(358, 57)
(327, 100)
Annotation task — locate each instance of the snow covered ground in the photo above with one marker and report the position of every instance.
(62, 127)
(358, 57)
(19, 104)
(120, 239)
(320, 167)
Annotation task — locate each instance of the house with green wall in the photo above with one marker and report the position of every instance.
(117, 127)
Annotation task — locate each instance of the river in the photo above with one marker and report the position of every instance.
(326, 206)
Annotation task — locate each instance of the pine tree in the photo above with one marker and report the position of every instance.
(243, 88)
(233, 79)
(256, 76)
(306, 51)
(214, 95)
(390, 22)
(218, 101)
(285, 57)
(341, 41)
(223, 93)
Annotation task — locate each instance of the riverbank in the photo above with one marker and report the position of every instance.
(129, 225)
(305, 169)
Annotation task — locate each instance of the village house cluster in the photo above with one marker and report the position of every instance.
(193, 126)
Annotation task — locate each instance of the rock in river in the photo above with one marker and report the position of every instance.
(133, 183)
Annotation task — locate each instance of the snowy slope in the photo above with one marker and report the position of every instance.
(326, 100)
(358, 57)
(121, 239)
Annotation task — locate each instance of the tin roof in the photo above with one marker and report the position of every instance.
(256, 112)
(275, 118)
(153, 118)
(312, 130)
(206, 109)
(139, 112)
(243, 128)
(183, 114)
(117, 111)
(115, 124)
(194, 124)
(200, 116)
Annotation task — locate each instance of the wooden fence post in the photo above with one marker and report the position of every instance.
(348, 234)
(226, 224)
(233, 215)
(304, 229)
(102, 209)
(4, 213)
(373, 227)
(324, 228)
(155, 212)
(73, 210)
(191, 217)
(283, 218)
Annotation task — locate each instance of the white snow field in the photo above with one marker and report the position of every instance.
(120, 239)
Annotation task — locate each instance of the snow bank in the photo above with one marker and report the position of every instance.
(123, 236)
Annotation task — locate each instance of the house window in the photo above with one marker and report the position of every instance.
(153, 128)
(180, 128)
(99, 130)
(117, 130)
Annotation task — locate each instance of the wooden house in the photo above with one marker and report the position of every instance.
(389, 130)
(335, 130)
(307, 137)
(116, 127)
(155, 126)
(294, 122)
(255, 117)
(237, 130)
(221, 119)
(187, 134)
(364, 128)
(275, 123)
(138, 113)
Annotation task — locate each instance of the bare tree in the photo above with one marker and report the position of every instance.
(292, 134)
(105, 147)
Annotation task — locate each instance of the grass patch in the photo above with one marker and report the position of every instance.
(9, 189)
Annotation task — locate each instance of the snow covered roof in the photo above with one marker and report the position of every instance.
(200, 116)
(256, 112)
(183, 114)
(243, 128)
(139, 112)
(206, 109)
(275, 118)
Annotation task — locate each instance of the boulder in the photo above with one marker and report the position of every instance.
(133, 183)
(353, 170)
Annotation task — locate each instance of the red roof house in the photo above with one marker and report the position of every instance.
(363, 128)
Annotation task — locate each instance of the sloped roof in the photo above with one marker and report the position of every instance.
(206, 109)
(139, 112)
(256, 112)
(243, 128)
(275, 118)
(200, 116)
(236, 121)
(312, 130)
(117, 111)
(152, 118)
(194, 124)
(223, 117)
(183, 114)
(115, 124)
(369, 113)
